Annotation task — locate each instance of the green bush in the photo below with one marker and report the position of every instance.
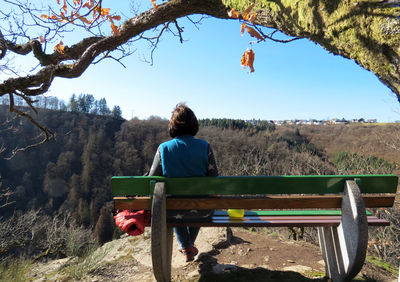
(14, 270)
(347, 163)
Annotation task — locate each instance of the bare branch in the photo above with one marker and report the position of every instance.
(118, 59)
(180, 30)
(270, 36)
(48, 135)
(154, 41)
(4, 197)
(198, 22)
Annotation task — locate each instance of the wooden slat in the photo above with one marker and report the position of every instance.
(290, 221)
(270, 202)
(132, 203)
(377, 201)
(317, 212)
(224, 185)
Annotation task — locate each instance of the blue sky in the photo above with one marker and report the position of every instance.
(295, 80)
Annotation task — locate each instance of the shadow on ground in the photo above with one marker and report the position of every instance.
(211, 270)
(261, 274)
(257, 274)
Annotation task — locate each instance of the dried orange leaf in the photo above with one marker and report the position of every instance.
(58, 2)
(254, 33)
(63, 19)
(64, 7)
(105, 11)
(248, 59)
(244, 59)
(114, 28)
(85, 20)
(242, 28)
(117, 18)
(96, 11)
(252, 17)
(233, 14)
(60, 48)
(44, 16)
(41, 39)
(89, 4)
(246, 13)
(154, 4)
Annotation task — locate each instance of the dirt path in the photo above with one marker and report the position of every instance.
(256, 257)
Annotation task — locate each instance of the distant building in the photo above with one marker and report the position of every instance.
(342, 121)
(339, 121)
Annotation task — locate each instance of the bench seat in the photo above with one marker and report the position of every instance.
(281, 221)
(278, 218)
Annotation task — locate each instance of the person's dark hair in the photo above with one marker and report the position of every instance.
(183, 121)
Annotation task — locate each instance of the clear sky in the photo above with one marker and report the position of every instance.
(295, 80)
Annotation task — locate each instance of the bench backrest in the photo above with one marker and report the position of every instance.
(317, 191)
(250, 185)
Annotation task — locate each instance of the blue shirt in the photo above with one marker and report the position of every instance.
(184, 156)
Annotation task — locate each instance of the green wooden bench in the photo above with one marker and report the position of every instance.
(291, 200)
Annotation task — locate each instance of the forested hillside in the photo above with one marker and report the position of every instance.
(56, 197)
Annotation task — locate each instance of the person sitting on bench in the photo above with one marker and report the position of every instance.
(185, 156)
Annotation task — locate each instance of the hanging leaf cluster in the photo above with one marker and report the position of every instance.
(60, 48)
(154, 4)
(247, 17)
(93, 14)
(248, 59)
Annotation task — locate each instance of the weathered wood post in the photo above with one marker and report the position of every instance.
(344, 255)
(161, 235)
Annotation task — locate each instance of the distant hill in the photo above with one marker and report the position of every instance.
(381, 140)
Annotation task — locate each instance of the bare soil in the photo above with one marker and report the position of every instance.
(253, 256)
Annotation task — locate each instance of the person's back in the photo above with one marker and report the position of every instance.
(185, 156)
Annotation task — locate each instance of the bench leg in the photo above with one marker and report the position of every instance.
(161, 236)
(344, 247)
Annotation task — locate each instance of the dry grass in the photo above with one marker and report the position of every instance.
(380, 140)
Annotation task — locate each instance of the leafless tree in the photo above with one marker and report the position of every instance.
(38, 235)
(5, 194)
(385, 241)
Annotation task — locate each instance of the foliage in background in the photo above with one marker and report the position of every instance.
(258, 125)
(384, 242)
(352, 163)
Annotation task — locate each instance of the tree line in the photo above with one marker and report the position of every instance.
(225, 123)
(82, 103)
